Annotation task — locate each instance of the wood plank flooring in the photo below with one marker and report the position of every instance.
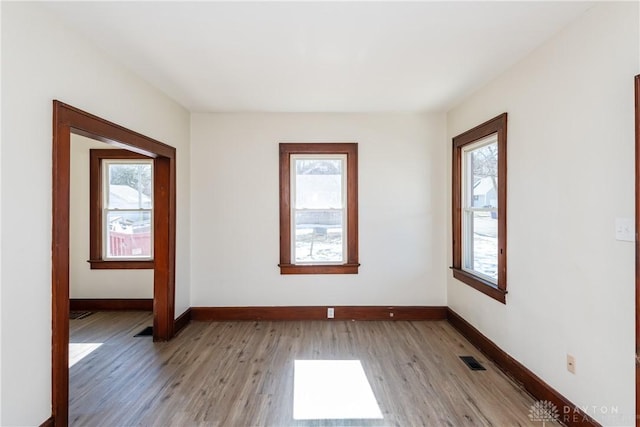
(241, 374)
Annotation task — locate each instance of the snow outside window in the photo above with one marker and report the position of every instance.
(319, 209)
(480, 208)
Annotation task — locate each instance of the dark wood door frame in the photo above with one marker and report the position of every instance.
(68, 120)
(637, 215)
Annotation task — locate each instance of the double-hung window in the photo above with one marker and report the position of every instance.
(121, 197)
(318, 208)
(479, 207)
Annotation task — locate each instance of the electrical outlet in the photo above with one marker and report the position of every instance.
(571, 364)
(391, 314)
(330, 313)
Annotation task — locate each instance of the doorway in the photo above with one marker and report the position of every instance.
(68, 120)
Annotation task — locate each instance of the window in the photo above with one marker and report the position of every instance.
(319, 208)
(121, 210)
(480, 207)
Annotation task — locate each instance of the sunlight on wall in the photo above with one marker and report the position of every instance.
(332, 389)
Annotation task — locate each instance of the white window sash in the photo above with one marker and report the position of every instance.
(105, 211)
(468, 210)
(293, 193)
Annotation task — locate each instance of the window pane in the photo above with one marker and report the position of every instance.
(479, 215)
(318, 184)
(481, 242)
(483, 166)
(318, 210)
(128, 234)
(130, 186)
(319, 236)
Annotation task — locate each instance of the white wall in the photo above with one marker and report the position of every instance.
(42, 61)
(570, 174)
(234, 176)
(1, 234)
(83, 281)
(570, 107)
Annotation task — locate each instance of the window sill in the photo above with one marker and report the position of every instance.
(481, 285)
(319, 269)
(99, 264)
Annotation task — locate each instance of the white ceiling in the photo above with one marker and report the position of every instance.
(318, 56)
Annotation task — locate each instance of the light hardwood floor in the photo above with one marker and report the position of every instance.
(241, 374)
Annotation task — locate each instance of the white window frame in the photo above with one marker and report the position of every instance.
(468, 209)
(293, 186)
(106, 163)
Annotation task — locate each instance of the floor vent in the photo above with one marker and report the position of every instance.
(472, 363)
(76, 315)
(146, 332)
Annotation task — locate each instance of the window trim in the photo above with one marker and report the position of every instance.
(497, 125)
(96, 173)
(351, 151)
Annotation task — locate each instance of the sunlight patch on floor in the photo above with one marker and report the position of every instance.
(332, 389)
(80, 350)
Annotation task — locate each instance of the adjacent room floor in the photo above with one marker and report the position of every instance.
(325, 373)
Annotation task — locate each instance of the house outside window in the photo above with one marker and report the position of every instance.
(479, 208)
(318, 208)
(121, 212)
(127, 209)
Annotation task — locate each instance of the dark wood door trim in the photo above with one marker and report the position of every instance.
(637, 147)
(67, 120)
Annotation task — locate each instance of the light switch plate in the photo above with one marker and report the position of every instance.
(625, 229)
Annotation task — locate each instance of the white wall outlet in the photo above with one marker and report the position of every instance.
(625, 229)
(571, 364)
(330, 313)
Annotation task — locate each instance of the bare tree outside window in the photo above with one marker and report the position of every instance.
(480, 208)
